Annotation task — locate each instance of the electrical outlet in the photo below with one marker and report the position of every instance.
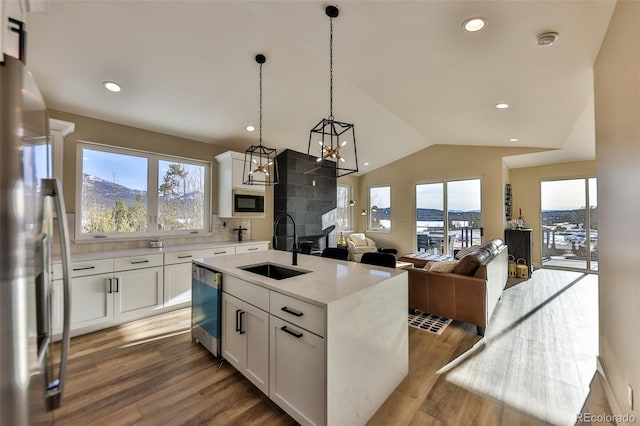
(630, 397)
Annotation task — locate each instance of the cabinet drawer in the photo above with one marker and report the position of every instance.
(181, 256)
(248, 248)
(138, 262)
(91, 267)
(218, 251)
(251, 293)
(298, 312)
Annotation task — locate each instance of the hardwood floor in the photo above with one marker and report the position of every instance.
(533, 360)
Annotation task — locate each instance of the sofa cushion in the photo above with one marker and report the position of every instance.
(445, 266)
(468, 265)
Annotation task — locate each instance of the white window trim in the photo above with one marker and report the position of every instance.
(152, 202)
(349, 209)
(378, 230)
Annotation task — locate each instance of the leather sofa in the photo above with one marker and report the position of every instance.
(459, 296)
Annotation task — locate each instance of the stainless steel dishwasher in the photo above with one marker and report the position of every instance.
(206, 294)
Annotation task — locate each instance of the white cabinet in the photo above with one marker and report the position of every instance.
(297, 366)
(177, 273)
(231, 171)
(248, 248)
(297, 372)
(91, 293)
(108, 291)
(245, 333)
(230, 177)
(285, 359)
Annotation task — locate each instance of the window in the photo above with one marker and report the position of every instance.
(123, 192)
(343, 209)
(380, 208)
(565, 221)
(458, 204)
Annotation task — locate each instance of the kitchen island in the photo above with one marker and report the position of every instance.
(328, 346)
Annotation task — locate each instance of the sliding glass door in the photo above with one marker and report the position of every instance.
(570, 223)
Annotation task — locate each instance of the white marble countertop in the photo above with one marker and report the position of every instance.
(329, 280)
(148, 250)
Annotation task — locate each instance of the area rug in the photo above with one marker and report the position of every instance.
(428, 322)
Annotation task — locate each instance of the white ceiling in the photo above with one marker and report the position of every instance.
(405, 73)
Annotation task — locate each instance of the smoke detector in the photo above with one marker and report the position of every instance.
(547, 39)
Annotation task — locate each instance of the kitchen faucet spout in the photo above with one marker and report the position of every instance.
(294, 247)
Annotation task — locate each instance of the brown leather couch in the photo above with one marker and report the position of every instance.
(467, 298)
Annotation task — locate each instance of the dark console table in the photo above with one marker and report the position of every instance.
(520, 245)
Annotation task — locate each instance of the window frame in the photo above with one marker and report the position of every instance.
(369, 212)
(153, 160)
(349, 209)
(445, 200)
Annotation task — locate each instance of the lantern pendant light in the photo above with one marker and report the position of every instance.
(332, 143)
(260, 163)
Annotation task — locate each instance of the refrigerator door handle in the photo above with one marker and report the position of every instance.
(53, 188)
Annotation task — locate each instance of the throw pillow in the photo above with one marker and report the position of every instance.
(468, 265)
(358, 239)
(445, 266)
(465, 251)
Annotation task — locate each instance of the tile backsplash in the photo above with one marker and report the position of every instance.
(221, 230)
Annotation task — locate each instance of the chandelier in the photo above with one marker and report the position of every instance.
(260, 163)
(332, 143)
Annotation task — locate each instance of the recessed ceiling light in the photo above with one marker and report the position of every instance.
(502, 106)
(366, 164)
(111, 86)
(474, 24)
(250, 128)
(513, 139)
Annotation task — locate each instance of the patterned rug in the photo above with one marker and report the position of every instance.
(428, 322)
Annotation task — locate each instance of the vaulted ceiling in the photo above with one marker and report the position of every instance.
(405, 72)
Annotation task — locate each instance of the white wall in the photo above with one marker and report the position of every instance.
(617, 102)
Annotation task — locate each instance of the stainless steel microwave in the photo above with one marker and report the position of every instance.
(247, 203)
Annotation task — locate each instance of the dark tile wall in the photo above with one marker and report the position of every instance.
(297, 195)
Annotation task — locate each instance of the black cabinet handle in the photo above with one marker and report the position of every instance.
(242, 322)
(117, 284)
(84, 268)
(252, 248)
(291, 332)
(110, 282)
(292, 311)
(135, 262)
(219, 252)
(238, 319)
(185, 257)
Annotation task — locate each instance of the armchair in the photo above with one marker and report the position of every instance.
(358, 244)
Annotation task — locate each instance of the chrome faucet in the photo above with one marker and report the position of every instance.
(294, 247)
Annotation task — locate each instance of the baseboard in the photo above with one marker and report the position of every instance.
(611, 399)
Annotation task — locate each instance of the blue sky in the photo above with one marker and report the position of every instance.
(126, 170)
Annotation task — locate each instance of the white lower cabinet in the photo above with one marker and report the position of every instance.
(297, 372)
(245, 339)
(109, 291)
(91, 300)
(276, 350)
(137, 293)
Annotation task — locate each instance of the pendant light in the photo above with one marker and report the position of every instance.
(332, 143)
(260, 163)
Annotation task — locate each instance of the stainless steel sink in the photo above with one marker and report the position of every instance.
(272, 270)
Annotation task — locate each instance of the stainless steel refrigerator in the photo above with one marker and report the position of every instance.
(32, 381)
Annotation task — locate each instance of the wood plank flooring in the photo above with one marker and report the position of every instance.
(150, 373)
